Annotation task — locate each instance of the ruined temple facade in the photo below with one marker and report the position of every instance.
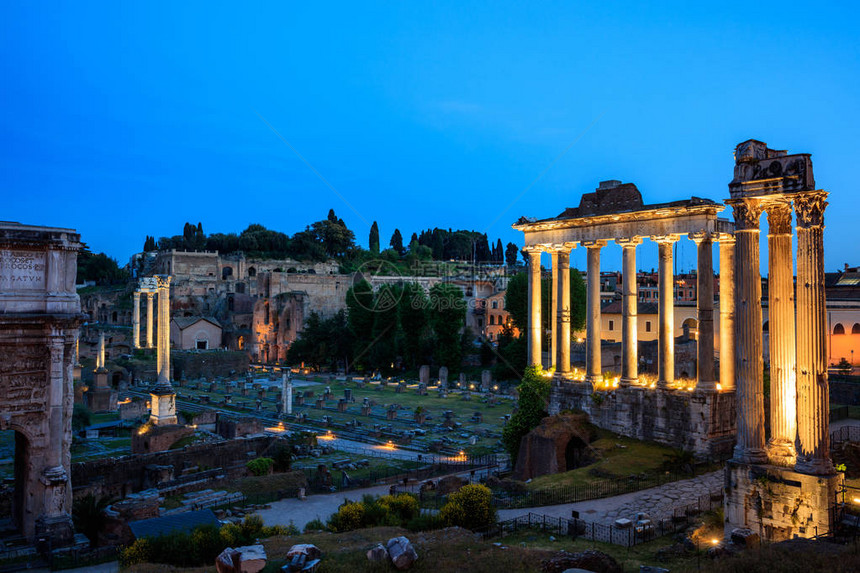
(784, 484)
(698, 416)
(39, 318)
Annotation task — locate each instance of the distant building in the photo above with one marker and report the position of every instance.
(491, 314)
(195, 333)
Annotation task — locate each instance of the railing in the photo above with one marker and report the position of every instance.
(610, 533)
(844, 434)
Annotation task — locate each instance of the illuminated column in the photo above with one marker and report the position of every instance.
(287, 395)
(783, 385)
(750, 446)
(813, 404)
(534, 343)
(563, 311)
(666, 310)
(163, 351)
(727, 312)
(593, 369)
(100, 358)
(629, 312)
(553, 308)
(149, 319)
(135, 319)
(705, 376)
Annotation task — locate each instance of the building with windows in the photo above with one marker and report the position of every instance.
(195, 333)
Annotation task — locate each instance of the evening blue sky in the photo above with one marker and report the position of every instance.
(126, 119)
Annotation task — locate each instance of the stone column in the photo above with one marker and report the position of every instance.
(813, 404)
(534, 340)
(629, 313)
(163, 351)
(100, 357)
(593, 368)
(727, 312)
(783, 382)
(149, 319)
(287, 395)
(563, 311)
(705, 376)
(553, 309)
(750, 445)
(666, 311)
(135, 319)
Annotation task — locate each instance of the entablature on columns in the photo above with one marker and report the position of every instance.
(670, 238)
(629, 241)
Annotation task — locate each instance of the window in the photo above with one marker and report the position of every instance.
(647, 326)
(611, 325)
(838, 329)
(202, 345)
(252, 272)
(855, 329)
(495, 304)
(492, 319)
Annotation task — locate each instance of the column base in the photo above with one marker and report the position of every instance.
(626, 382)
(749, 455)
(781, 453)
(779, 503)
(54, 531)
(706, 385)
(814, 466)
(163, 408)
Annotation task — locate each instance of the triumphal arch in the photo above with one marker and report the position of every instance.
(39, 317)
(697, 416)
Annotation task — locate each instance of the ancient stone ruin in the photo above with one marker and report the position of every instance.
(40, 313)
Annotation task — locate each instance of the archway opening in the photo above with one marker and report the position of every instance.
(575, 453)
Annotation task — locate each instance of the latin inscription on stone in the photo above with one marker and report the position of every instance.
(22, 270)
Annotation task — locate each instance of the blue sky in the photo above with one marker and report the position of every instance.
(123, 120)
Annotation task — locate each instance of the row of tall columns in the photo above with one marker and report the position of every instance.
(135, 318)
(799, 412)
(560, 337)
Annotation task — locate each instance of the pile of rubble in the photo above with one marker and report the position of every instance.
(398, 550)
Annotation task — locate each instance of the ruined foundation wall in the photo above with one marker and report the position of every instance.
(701, 422)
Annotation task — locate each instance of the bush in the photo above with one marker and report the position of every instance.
(138, 552)
(349, 516)
(260, 466)
(470, 507)
(283, 457)
(403, 506)
(425, 523)
(531, 409)
(314, 525)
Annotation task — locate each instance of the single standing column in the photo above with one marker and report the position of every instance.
(593, 368)
(629, 313)
(100, 358)
(705, 376)
(534, 344)
(813, 404)
(783, 382)
(135, 319)
(553, 309)
(287, 395)
(749, 378)
(666, 312)
(163, 352)
(149, 319)
(563, 315)
(727, 312)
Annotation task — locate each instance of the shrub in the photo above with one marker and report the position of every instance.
(349, 516)
(425, 523)
(403, 506)
(138, 552)
(470, 507)
(283, 457)
(314, 525)
(260, 466)
(531, 409)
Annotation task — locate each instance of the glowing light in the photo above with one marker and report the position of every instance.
(126, 401)
(719, 386)
(715, 541)
(857, 500)
(327, 436)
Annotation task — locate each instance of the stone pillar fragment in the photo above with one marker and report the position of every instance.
(563, 309)
(135, 319)
(705, 374)
(593, 367)
(150, 320)
(553, 309)
(163, 396)
(666, 311)
(783, 382)
(750, 446)
(629, 313)
(534, 333)
(813, 404)
(727, 312)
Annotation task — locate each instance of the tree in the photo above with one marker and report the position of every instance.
(498, 252)
(397, 242)
(516, 300)
(149, 244)
(511, 252)
(99, 268)
(383, 349)
(412, 314)
(360, 315)
(531, 409)
(373, 243)
(88, 515)
(447, 317)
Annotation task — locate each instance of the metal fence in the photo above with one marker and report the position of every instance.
(610, 533)
(844, 434)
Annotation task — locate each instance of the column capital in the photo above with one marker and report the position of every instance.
(701, 236)
(747, 212)
(150, 295)
(596, 244)
(629, 242)
(665, 238)
(810, 209)
(725, 238)
(163, 281)
(778, 216)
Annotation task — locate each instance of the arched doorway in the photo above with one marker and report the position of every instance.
(575, 453)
